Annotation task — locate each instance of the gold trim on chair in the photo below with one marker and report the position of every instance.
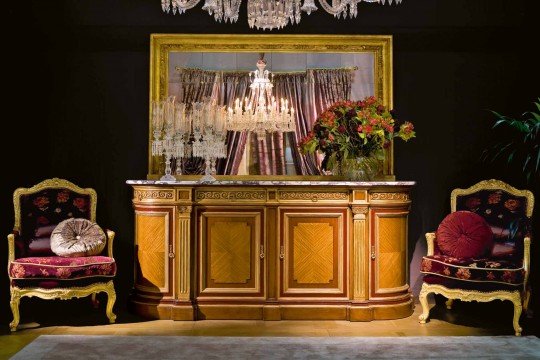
(520, 299)
(470, 295)
(57, 293)
(62, 294)
(54, 183)
(493, 185)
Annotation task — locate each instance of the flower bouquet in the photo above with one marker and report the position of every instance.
(352, 136)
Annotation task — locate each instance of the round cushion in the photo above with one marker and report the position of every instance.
(77, 237)
(464, 234)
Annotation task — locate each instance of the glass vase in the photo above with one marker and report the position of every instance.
(363, 168)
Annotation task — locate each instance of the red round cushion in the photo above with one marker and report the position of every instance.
(464, 234)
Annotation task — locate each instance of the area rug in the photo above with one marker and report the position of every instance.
(209, 347)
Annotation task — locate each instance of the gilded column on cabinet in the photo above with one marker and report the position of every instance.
(360, 260)
(183, 253)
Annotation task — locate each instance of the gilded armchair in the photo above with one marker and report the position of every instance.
(502, 271)
(34, 270)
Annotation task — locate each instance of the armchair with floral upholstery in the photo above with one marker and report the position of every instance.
(467, 262)
(34, 270)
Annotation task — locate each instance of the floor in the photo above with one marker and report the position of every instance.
(61, 317)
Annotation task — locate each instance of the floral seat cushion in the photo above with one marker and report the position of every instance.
(62, 268)
(474, 270)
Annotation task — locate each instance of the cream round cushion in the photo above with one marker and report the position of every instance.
(77, 237)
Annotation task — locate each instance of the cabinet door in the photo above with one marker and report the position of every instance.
(313, 252)
(230, 252)
(155, 252)
(389, 254)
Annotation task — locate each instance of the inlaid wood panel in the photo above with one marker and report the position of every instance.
(230, 251)
(230, 259)
(390, 251)
(313, 247)
(153, 235)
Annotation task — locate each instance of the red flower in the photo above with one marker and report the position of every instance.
(80, 203)
(356, 128)
(494, 198)
(41, 202)
(63, 196)
(512, 204)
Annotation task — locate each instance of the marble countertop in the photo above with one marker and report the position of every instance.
(271, 183)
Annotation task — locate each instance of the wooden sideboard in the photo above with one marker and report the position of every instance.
(271, 250)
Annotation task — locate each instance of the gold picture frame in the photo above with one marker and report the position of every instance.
(380, 46)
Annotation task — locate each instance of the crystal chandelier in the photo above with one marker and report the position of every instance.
(269, 14)
(261, 113)
(180, 131)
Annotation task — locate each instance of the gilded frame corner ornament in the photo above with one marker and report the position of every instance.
(161, 45)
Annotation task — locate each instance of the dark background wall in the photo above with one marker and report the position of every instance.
(77, 98)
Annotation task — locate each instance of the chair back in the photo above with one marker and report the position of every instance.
(506, 209)
(40, 208)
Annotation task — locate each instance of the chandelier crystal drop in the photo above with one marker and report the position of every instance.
(261, 113)
(181, 131)
(269, 14)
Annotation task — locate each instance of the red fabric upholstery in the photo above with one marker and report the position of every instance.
(468, 285)
(474, 270)
(41, 212)
(464, 234)
(62, 268)
(505, 214)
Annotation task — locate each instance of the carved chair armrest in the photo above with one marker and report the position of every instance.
(11, 247)
(430, 239)
(110, 239)
(526, 259)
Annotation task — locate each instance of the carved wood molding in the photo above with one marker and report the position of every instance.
(185, 209)
(231, 195)
(154, 194)
(396, 196)
(312, 195)
(362, 210)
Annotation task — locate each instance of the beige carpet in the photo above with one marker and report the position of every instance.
(80, 347)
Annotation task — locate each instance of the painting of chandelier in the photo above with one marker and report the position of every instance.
(269, 14)
(261, 113)
(183, 130)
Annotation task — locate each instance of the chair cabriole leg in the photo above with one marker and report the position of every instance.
(111, 299)
(517, 313)
(14, 303)
(425, 305)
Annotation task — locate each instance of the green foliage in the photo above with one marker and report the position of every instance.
(522, 144)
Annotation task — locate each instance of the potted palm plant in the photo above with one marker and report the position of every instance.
(521, 145)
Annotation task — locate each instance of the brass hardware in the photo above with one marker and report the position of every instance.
(171, 253)
(282, 252)
(261, 252)
(373, 253)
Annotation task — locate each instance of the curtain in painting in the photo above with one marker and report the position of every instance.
(195, 85)
(232, 86)
(308, 92)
